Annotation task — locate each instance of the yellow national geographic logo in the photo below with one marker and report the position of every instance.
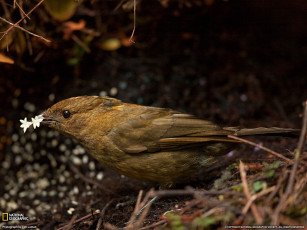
(14, 216)
(5, 216)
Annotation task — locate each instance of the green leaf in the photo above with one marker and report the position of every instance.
(258, 185)
(220, 183)
(175, 221)
(269, 170)
(238, 188)
(203, 222)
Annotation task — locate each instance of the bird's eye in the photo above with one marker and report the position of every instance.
(66, 114)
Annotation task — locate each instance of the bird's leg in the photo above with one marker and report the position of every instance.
(161, 187)
(149, 203)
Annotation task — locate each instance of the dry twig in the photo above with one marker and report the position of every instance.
(254, 208)
(80, 219)
(134, 21)
(261, 147)
(16, 25)
(102, 214)
(282, 202)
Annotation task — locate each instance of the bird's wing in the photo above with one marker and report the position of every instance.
(155, 129)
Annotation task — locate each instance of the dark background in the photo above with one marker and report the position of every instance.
(238, 63)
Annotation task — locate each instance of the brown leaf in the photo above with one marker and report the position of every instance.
(5, 59)
(70, 26)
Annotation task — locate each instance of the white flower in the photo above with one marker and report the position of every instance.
(37, 120)
(25, 124)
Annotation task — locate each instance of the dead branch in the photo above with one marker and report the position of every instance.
(16, 25)
(261, 147)
(282, 202)
(254, 208)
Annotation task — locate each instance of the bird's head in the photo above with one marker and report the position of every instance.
(71, 115)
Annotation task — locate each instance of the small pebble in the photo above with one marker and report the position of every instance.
(62, 179)
(31, 195)
(113, 91)
(36, 202)
(123, 85)
(74, 202)
(2, 202)
(62, 148)
(15, 148)
(76, 190)
(52, 193)
(23, 194)
(6, 196)
(31, 213)
(50, 134)
(15, 103)
(100, 176)
(15, 137)
(243, 97)
(92, 166)
(29, 106)
(54, 143)
(51, 97)
(6, 164)
(11, 205)
(18, 160)
(33, 136)
(103, 94)
(76, 160)
(43, 183)
(32, 185)
(29, 148)
(44, 193)
(85, 159)
(36, 166)
(52, 160)
(70, 211)
(92, 174)
(13, 192)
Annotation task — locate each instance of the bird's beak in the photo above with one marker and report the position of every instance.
(47, 119)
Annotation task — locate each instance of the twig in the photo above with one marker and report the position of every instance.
(80, 219)
(152, 226)
(134, 21)
(290, 185)
(118, 5)
(192, 192)
(261, 147)
(88, 180)
(132, 224)
(277, 187)
(21, 10)
(20, 20)
(254, 209)
(256, 196)
(71, 223)
(102, 214)
(304, 131)
(80, 43)
(17, 26)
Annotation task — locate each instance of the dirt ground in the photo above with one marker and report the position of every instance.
(237, 63)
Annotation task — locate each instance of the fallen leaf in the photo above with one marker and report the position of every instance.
(70, 26)
(5, 59)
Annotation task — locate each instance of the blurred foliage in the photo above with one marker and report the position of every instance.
(61, 10)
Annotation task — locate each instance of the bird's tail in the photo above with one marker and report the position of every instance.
(272, 131)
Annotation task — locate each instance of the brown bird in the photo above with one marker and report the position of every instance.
(146, 143)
